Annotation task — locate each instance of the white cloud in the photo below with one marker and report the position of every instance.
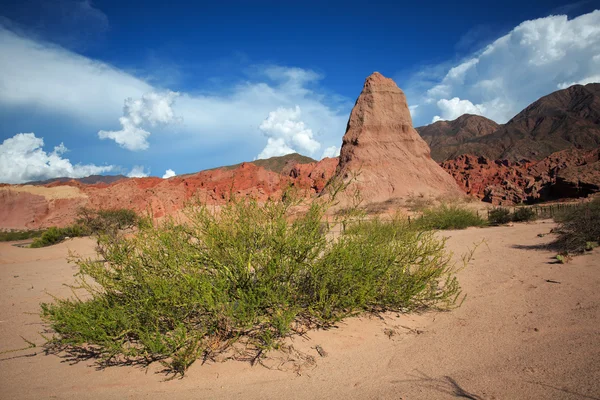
(68, 84)
(169, 174)
(275, 147)
(23, 159)
(455, 107)
(584, 81)
(152, 109)
(287, 133)
(331, 151)
(138, 171)
(532, 60)
(91, 93)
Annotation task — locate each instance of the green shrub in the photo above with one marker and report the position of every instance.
(449, 217)
(14, 235)
(499, 216)
(103, 221)
(48, 238)
(54, 235)
(246, 276)
(578, 226)
(523, 214)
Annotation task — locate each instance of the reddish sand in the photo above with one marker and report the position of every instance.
(528, 329)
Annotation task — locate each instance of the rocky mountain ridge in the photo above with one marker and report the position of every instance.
(565, 119)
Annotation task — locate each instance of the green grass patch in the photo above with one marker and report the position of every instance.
(14, 235)
(243, 278)
(449, 217)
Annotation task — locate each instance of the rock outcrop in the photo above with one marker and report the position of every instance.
(56, 204)
(382, 154)
(566, 174)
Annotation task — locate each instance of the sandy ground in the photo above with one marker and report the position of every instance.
(528, 329)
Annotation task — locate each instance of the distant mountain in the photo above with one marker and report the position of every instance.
(568, 118)
(88, 180)
(445, 138)
(276, 164)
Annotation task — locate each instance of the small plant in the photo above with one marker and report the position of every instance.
(448, 217)
(499, 216)
(561, 258)
(589, 246)
(523, 214)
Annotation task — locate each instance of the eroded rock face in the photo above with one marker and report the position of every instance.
(382, 150)
(564, 174)
(56, 204)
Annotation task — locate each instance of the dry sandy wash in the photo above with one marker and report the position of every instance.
(529, 329)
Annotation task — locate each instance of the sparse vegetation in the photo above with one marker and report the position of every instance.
(103, 221)
(89, 222)
(523, 214)
(56, 235)
(499, 216)
(503, 215)
(14, 235)
(579, 227)
(242, 279)
(449, 217)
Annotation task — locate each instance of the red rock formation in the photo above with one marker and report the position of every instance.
(383, 148)
(564, 174)
(56, 204)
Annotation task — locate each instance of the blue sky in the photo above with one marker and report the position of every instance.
(145, 87)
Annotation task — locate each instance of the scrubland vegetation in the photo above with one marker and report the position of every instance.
(241, 280)
(13, 235)
(449, 217)
(502, 215)
(89, 222)
(578, 228)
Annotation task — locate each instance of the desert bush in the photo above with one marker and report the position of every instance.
(244, 277)
(449, 217)
(13, 235)
(579, 227)
(54, 235)
(503, 215)
(499, 216)
(523, 214)
(103, 221)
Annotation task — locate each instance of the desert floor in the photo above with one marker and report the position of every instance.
(528, 329)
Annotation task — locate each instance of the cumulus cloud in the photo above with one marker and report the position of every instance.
(23, 159)
(89, 94)
(532, 60)
(169, 174)
(152, 109)
(287, 133)
(138, 171)
(332, 151)
(455, 107)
